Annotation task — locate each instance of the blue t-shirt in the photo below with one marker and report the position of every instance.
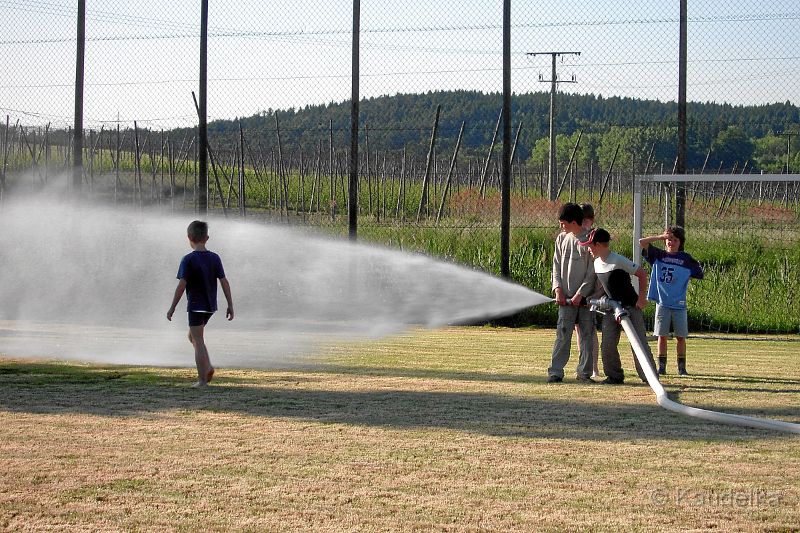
(670, 276)
(201, 269)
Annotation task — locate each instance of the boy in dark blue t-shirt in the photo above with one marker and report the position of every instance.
(198, 274)
(669, 279)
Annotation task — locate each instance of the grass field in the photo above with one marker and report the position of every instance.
(446, 430)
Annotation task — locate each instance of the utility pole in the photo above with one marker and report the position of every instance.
(552, 177)
(788, 135)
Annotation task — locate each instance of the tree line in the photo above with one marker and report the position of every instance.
(720, 137)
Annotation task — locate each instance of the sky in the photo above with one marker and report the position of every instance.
(142, 57)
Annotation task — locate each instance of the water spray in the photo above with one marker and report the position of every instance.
(605, 304)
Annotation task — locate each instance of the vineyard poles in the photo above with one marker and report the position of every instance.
(514, 149)
(46, 142)
(383, 183)
(93, 145)
(377, 188)
(260, 179)
(569, 165)
(332, 202)
(300, 204)
(401, 186)
(171, 159)
(315, 188)
(242, 193)
(5, 160)
(423, 199)
(450, 174)
(369, 179)
(31, 149)
(284, 201)
(482, 189)
(137, 165)
(608, 176)
(233, 165)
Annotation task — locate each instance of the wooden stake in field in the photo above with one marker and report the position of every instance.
(450, 174)
(423, 200)
(485, 172)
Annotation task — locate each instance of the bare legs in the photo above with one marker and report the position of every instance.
(205, 372)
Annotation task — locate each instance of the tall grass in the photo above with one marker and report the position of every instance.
(752, 264)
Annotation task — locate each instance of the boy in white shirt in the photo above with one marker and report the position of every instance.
(614, 273)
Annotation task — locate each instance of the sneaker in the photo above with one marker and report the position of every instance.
(682, 372)
(595, 375)
(554, 379)
(609, 381)
(585, 379)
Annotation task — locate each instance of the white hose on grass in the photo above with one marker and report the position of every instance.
(661, 395)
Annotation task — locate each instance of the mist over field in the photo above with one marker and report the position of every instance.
(94, 282)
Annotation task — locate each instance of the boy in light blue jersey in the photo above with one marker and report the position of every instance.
(669, 279)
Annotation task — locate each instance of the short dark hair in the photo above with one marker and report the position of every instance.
(679, 233)
(570, 212)
(588, 211)
(197, 230)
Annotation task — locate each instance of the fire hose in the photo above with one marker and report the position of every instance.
(605, 304)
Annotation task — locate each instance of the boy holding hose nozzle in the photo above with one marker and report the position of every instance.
(614, 273)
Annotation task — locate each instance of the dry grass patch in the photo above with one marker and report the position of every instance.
(451, 430)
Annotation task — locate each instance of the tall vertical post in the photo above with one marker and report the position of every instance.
(505, 180)
(552, 175)
(353, 189)
(202, 111)
(552, 178)
(637, 218)
(77, 150)
(680, 166)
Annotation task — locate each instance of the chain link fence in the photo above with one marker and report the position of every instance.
(430, 81)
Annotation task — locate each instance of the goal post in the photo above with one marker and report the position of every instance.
(640, 180)
(745, 231)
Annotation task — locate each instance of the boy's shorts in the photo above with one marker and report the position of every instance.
(199, 318)
(666, 316)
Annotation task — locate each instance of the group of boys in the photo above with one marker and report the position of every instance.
(584, 267)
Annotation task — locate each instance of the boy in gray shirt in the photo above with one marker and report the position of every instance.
(573, 281)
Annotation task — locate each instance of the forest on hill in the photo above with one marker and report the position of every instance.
(720, 136)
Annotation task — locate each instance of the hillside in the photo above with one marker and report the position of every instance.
(405, 121)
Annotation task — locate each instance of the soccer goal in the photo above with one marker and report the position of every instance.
(745, 230)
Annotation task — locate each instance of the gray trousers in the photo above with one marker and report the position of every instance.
(568, 316)
(609, 346)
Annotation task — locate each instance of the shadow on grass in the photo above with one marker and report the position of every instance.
(43, 388)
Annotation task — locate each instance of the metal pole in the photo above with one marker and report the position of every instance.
(77, 151)
(680, 167)
(505, 181)
(202, 130)
(353, 188)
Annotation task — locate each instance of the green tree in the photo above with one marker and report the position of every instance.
(732, 146)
